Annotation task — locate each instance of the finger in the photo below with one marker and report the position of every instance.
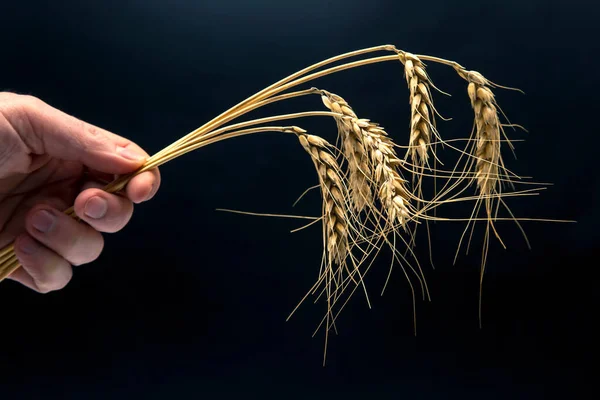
(42, 269)
(103, 211)
(78, 243)
(140, 188)
(46, 130)
(56, 195)
(143, 186)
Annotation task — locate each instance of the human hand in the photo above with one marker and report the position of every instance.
(49, 161)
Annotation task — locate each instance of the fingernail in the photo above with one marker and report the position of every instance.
(27, 245)
(43, 221)
(130, 154)
(95, 207)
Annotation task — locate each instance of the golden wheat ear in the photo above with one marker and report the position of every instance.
(336, 216)
(353, 150)
(336, 224)
(380, 165)
(488, 171)
(423, 129)
(424, 136)
(372, 162)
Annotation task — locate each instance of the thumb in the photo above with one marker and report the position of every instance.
(46, 130)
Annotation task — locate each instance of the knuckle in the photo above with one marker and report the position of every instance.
(17, 98)
(17, 110)
(7, 97)
(27, 103)
(29, 100)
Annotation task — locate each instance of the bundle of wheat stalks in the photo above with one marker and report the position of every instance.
(368, 203)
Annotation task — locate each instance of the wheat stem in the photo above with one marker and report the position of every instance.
(268, 91)
(8, 260)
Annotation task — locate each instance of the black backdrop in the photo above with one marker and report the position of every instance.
(188, 302)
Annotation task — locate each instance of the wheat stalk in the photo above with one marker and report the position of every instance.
(8, 259)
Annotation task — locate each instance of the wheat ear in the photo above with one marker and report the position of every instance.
(382, 164)
(391, 186)
(422, 121)
(376, 158)
(353, 149)
(335, 218)
(488, 159)
(487, 133)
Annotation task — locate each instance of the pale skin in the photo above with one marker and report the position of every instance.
(50, 161)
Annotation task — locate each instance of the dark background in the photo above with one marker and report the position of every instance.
(187, 302)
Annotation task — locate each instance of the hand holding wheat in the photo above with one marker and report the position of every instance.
(367, 203)
(49, 161)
